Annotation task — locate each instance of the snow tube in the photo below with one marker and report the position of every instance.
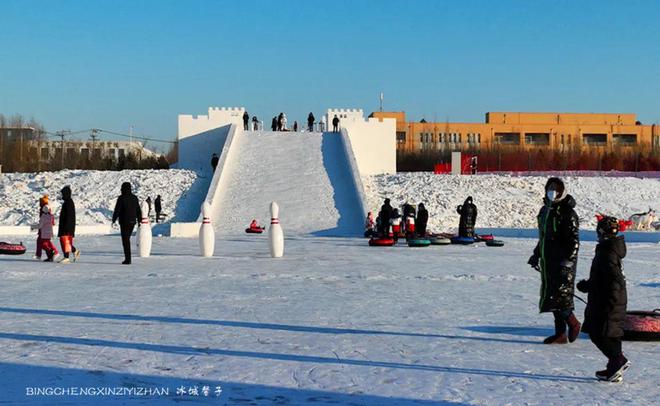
(419, 242)
(483, 237)
(462, 240)
(642, 325)
(381, 242)
(495, 243)
(440, 241)
(7, 248)
(250, 230)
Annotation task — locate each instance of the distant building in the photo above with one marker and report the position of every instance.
(557, 131)
(51, 149)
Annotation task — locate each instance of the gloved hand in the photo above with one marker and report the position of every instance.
(583, 286)
(533, 261)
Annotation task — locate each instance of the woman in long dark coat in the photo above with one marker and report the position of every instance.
(468, 212)
(555, 256)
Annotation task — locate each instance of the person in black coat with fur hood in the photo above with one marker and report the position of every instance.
(128, 212)
(555, 256)
(468, 212)
(606, 309)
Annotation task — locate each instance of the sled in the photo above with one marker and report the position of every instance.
(495, 243)
(483, 237)
(381, 242)
(419, 242)
(641, 325)
(7, 248)
(462, 240)
(439, 240)
(257, 230)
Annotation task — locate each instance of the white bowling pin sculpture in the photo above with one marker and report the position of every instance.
(144, 232)
(275, 234)
(206, 233)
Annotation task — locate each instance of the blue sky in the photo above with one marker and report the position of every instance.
(110, 64)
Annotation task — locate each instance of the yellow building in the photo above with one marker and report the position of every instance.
(558, 131)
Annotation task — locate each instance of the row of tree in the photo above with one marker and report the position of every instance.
(517, 160)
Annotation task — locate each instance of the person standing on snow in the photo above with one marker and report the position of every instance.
(284, 122)
(214, 161)
(149, 205)
(67, 226)
(127, 211)
(322, 124)
(395, 222)
(43, 201)
(335, 124)
(273, 124)
(255, 123)
(246, 121)
(606, 309)
(555, 256)
(468, 212)
(46, 223)
(421, 220)
(408, 219)
(369, 226)
(384, 215)
(280, 117)
(158, 207)
(310, 122)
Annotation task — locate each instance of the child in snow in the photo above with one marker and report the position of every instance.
(395, 221)
(606, 309)
(369, 226)
(43, 201)
(46, 223)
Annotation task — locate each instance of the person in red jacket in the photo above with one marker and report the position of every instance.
(46, 223)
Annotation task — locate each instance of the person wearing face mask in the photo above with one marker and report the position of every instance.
(555, 257)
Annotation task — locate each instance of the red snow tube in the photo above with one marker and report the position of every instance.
(7, 248)
(381, 242)
(251, 230)
(483, 237)
(642, 326)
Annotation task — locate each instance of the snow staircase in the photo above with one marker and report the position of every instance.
(307, 174)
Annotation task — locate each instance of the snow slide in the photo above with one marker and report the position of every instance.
(307, 174)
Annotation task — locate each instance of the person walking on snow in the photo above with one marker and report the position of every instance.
(421, 220)
(335, 124)
(46, 223)
(214, 161)
(67, 226)
(246, 121)
(127, 211)
(310, 122)
(149, 205)
(295, 126)
(255, 123)
(158, 207)
(468, 212)
(605, 313)
(555, 256)
(42, 202)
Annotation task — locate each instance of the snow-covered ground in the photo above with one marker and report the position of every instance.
(509, 202)
(94, 193)
(333, 322)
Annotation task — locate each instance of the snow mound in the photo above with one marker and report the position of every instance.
(509, 202)
(94, 192)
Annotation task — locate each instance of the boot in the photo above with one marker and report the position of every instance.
(560, 333)
(615, 369)
(574, 327)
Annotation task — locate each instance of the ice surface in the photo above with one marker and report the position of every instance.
(333, 322)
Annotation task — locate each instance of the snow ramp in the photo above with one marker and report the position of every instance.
(310, 175)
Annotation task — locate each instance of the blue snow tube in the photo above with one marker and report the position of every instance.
(462, 240)
(419, 242)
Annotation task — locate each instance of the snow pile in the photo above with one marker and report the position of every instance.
(94, 192)
(509, 202)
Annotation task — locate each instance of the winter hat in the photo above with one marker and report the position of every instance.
(126, 188)
(43, 200)
(387, 201)
(66, 192)
(421, 206)
(558, 187)
(607, 227)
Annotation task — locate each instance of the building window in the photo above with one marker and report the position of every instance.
(84, 153)
(400, 137)
(537, 138)
(595, 139)
(624, 139)
(508, 138)
(44, 153)
(478, 138)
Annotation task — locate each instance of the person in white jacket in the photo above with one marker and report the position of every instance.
(46, 223)
(284, 122)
